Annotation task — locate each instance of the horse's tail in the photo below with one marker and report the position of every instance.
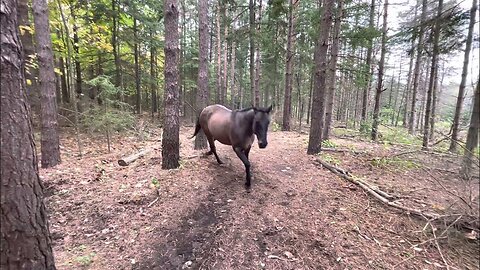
(197, 128)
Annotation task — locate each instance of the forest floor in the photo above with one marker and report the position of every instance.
(296, 216)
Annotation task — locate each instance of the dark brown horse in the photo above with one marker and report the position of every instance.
(236, 128)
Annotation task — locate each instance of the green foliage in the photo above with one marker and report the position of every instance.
(329, 159)
(155, 182)
(85, 260)
(275, 126)
(398, 135)
(329, 144)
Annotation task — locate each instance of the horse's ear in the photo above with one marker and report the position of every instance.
(269, 109)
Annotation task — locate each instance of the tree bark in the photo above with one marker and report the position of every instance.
(218, 94)
(202, 92)
(225, 57)
(317, 114)
(50, 141)
(418, 63)
(76, 49)
(431, 84)
(63, 81)
(153, 75)
(472, 135)
(331, 78)
(287, 103)
(409, 83)
(170, 141)
(368, 75)
(381, 67)
(24, 234)
(461, 89)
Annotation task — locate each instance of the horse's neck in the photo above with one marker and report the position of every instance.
(248, 117)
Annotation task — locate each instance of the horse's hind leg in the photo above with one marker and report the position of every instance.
(213, 150)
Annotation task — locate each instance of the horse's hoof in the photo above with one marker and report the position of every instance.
(208, 153)
(220, 162)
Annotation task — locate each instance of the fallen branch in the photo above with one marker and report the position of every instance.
(343, 151)
(378, 196)
(129, 159)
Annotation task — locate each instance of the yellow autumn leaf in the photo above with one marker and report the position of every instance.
(57, 70)
(29, 82)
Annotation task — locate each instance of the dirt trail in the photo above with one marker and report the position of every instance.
(296, 216)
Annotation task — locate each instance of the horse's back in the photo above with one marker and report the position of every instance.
(215, 121)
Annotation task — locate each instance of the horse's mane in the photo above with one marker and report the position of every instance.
(244, 110)
(251, 108)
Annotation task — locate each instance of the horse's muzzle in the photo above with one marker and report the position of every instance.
(262, 144)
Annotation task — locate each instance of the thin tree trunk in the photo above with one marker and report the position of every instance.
(368, 75)
(310, 97)
(320, 58)
(251, 7)
(63, 81)
(225, 57)
(258, 68)
(416, 78)
(50, 141)
(171, 127)
(76, 49)
(431, 84)
(461, 89)
(434, 105)
(397, 92)
(153, 76)
(333, 70)
(202, 92)
(138, 103)
(381, 66)
(287, 103)
(233, 86)
(409, 82)
(218, 94)
(25, 237)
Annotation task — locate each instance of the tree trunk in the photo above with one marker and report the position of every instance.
(63, 81)
(397, 92)
(418, 63)
(381, 66)
(434, 105)
(24, 234)
(31, 72)
(153, 75)
(218, 94)
(310, 94)
(431, 84)
(251, 7)
(333, 71)
(287, 103)
(258, 68)
(50, 141)
(368, 75)
(317, 115)
(233, 86)
(225, 57)
(409, 82)
(76, 49)
(461, 89)
(138, 103)
(202, 92)
(170, 141)
(472, 135)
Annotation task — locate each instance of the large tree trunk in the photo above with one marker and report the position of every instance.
(472, 136)
(431, 84)
(317, 115)
(202, 92)
(24, 234)
(171, 126)
(50, 141)
(418, 63)
(461, 89)
(331, 79)
(381, 67)
(287, 103)
(368, 75)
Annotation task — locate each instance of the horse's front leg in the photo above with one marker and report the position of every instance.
(240, 153)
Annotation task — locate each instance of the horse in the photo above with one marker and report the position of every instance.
(237, 128)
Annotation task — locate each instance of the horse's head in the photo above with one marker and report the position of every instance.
(260, 125)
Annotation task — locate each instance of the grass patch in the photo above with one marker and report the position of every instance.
(329, 144)
(85, 260)
(395, 162)
(329, 159)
